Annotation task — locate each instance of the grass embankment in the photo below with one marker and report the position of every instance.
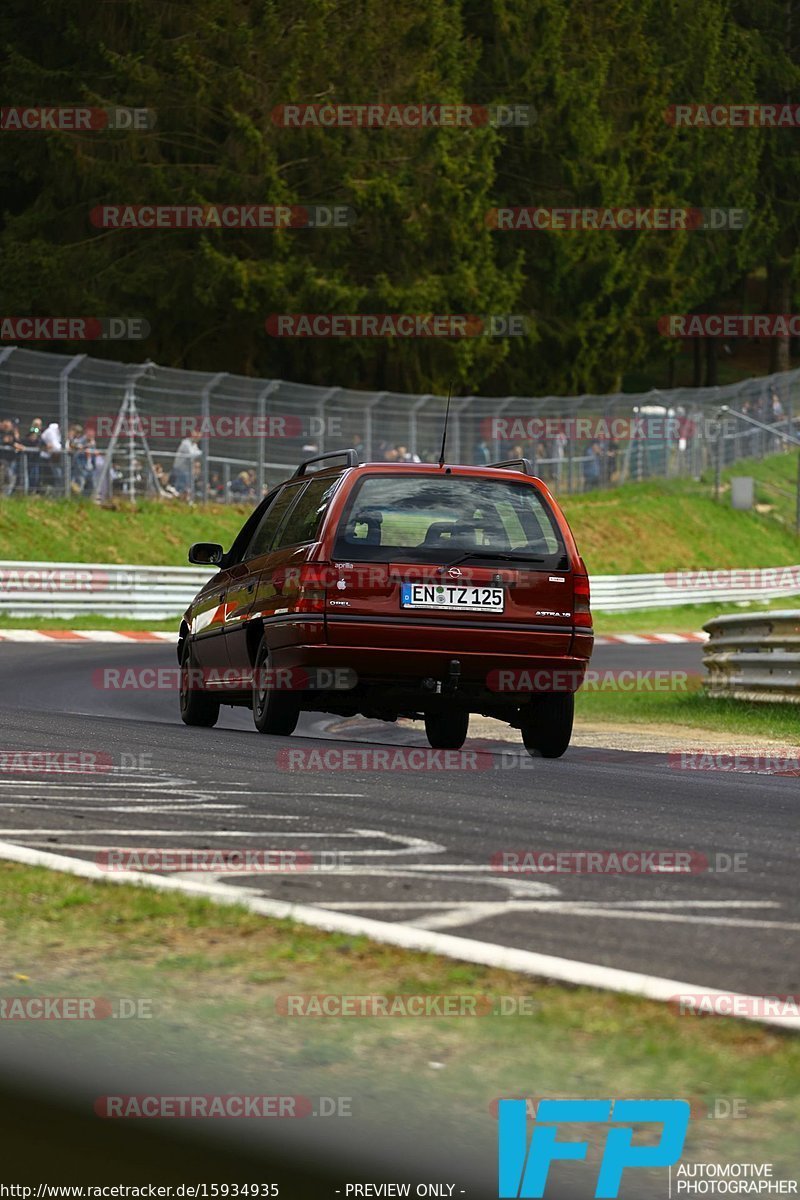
(686, 705)
(661, 525)
(650, 527)
(666, 525)
(215, 974)
(34, 529)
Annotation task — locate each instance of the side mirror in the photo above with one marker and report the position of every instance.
(206, 554)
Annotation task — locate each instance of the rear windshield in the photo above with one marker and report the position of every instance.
(422, 518)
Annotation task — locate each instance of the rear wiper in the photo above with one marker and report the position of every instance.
(492, 554)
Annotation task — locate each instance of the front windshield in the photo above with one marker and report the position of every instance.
(414, 517)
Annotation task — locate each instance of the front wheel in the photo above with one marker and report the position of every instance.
(546, 724)
(446, 731)
(197, 707)
(273, 711)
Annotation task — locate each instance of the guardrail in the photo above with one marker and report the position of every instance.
(622, 593)
(30, 589)
(754, 657)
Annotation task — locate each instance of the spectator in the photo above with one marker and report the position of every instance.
(216, 488)
(50, 455)
(560, 442)
(84, 454)
(186, 456)
(10, 450)
(241, 489)
(31, 442)
(483, 455)
(164, 485)
(591, 466)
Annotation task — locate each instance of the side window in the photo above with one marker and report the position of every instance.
(306, 516)
(262, 539)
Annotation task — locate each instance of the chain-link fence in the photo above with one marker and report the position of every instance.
(93, 428)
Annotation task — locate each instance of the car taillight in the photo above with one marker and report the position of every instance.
(583, 614)
(311, 582)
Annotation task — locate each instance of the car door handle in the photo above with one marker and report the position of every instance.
(222, 595)
(250, 587)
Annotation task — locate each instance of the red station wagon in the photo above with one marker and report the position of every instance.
(395, 590)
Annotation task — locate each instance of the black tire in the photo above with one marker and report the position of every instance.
(546, 724)
(197, 707)
(446, 731)
(273, 711)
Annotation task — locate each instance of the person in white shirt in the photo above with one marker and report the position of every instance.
(183, 466)
(50, 452)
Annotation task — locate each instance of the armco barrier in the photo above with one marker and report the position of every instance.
(31, 589)
(754, 657)
(620, 593)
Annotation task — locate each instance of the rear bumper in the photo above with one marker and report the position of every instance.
(496, 673)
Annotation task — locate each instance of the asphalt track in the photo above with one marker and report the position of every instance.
(416, 847)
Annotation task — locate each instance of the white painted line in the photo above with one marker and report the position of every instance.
(526, 962)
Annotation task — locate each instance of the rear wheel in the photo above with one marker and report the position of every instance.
(546, 724)
(273, 711)
(446, 731)
(197, 706)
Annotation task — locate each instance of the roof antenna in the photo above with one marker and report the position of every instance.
(444, 431)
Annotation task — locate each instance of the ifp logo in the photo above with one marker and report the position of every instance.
(523, 1173)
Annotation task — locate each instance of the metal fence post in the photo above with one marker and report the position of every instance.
(369, 448)
(63, 418)
(205, 412)
(261, 404)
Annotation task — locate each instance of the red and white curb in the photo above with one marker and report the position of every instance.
(84, 635)
(650, 639)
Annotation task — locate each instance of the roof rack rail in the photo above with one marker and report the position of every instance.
(524, 463)
(350, 455)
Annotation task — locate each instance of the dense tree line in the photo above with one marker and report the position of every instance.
(600, 76)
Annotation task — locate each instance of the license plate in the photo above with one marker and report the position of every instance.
(452, 596)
